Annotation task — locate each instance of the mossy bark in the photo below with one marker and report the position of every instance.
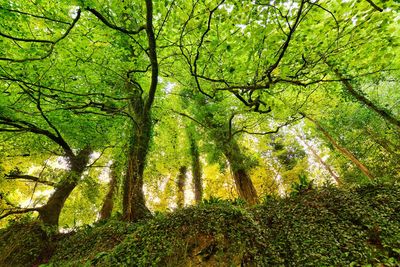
(180, 183)
(49, 214)
(134, 204)
(108, 203)
(243, 183)
(196, 169)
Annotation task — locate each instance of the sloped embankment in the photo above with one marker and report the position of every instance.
(325, 227)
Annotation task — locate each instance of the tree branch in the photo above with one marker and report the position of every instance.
(27, 177)
(52, 43)
(189, 117)
(112, 26)
(152, 55)
(21, 125)
(18, 211)
(199, 46)
(35, 16)
(375, 6)
(272, 131)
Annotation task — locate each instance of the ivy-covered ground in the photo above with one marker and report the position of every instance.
(315, 227)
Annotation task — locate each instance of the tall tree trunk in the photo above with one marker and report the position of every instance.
(364, 100)
(243, 183)
(196, 169)
(108, 203)
(323, 163)
(180, 183)
(50, 212)
(134, 204)
(344, 151)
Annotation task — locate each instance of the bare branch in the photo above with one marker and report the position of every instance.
(286, 43)
(112, 26)
(199, 46)
(28, 40)
(21, 125)
(375, 6)
(276, 130)
(18, 211)
(35, 179)
(189, 117)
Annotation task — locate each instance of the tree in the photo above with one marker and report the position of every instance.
(195, 165)
(344, 151)
(88, 75)
(108, 202)
(180, 183)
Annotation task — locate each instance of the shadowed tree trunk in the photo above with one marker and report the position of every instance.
(344, 151)
(196, 169)
(243, 183)
(180, 183)
(108, 203)
(50, 212)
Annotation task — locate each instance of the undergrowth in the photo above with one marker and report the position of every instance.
(314, 227)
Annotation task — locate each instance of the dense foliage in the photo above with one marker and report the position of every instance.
(326, 226)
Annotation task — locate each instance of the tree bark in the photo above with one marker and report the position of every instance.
(196, 169)
(108, 203)
(180, 183)
(134, 204)
(50, 212)
(344, 151)
(243, 183)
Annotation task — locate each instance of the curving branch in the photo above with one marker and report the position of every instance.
(285, 45)
(189, 117)
(194, 73)
(24, 126)
(17, 211)
(28, 40)
(112, 26)
(276, 130)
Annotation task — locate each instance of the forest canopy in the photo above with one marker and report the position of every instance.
(127, 108)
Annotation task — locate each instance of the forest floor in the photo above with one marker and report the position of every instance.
(318, 227)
